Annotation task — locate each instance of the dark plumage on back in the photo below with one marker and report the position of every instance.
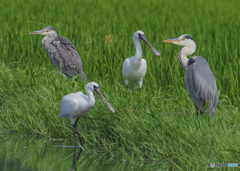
(62, 53)
(191, 61)
(68, 57)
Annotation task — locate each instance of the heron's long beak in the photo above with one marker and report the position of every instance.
(108, 105)
(37, 32)
(176, 40)
(153, 49)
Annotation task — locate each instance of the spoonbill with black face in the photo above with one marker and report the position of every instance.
(134, 68)
(76, 105)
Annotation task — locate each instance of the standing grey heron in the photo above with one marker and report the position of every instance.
(134, 68)
(62, 53)
(199, 78)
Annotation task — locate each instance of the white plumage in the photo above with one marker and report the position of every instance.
(76, 105)
(135, 68)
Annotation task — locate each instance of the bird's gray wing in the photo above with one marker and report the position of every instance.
(70, 59)
(201, 83)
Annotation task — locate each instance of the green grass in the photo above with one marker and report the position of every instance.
(157, 125)
(41, 154)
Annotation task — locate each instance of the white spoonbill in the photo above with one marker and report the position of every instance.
(134, 68)
(76, 105)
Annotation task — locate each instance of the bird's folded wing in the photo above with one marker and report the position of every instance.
(68, 54)
(200, 82)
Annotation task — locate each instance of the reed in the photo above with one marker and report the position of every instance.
(156, 125)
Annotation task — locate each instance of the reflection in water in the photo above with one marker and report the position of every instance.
(75, 161)
(42, 155)
(76, 131)
(74, 155)
(11, 165)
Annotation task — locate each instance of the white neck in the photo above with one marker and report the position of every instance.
(91, 98)
(184, 52)
(45, 42)
(138, 53)
(53, 34)
(48, 39)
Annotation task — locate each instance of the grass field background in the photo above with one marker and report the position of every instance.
(157, 125)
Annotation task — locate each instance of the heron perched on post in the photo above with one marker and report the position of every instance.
(199, 78)
(134, 68)
(62, 53)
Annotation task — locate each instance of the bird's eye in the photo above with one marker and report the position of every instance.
(95, 87)
(184, 38)
(47, 30)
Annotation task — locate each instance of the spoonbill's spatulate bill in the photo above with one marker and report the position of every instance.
(199, 78)
(76, 105)
(62, 53)
(134, 68)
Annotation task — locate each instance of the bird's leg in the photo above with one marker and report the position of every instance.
(74, 155)
(80, 148)
(126, 83)
(75, 127)
(133, 97)
(74, 167)
(126, 91)
(140, 89)
(139, 96)
(140, 85)
(196, 110)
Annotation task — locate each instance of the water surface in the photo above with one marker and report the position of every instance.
(22, 154)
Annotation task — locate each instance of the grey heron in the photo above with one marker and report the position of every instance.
(62, 53)
(199, 78)
(134, 68)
